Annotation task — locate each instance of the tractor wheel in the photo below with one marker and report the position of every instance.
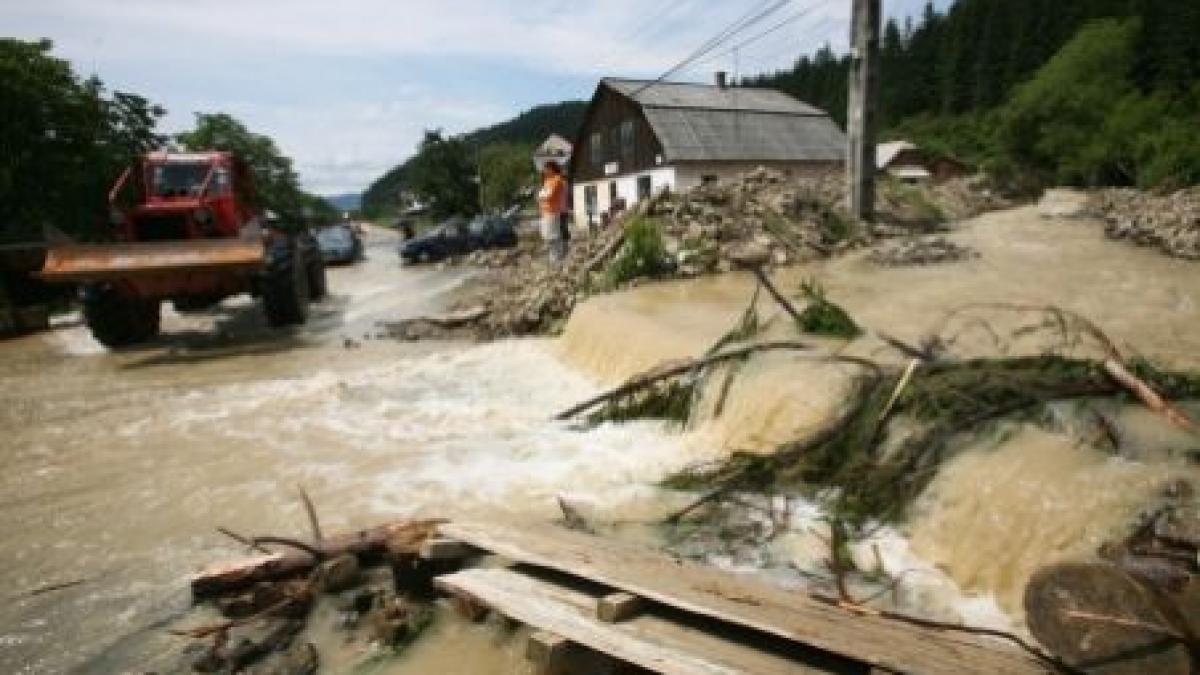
(285, 290)
(318, 283)
(118, 321)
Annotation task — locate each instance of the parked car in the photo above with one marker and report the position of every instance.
(340, 243)
(457, 235)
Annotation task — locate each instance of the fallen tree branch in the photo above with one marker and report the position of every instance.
(1117, 371)
(248, 543)
(366, 544)
(49, 588)
(313, 522)
(778, 297)
(313, 551)
(646, 381)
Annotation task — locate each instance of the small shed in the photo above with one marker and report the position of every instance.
(911, 163)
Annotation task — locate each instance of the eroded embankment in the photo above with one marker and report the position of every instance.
(1007, 502)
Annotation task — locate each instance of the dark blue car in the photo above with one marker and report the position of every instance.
(340, 244)
(457, 236)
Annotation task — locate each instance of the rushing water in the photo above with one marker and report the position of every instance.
(118, 467)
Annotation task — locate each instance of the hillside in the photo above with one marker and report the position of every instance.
(529, 128)
(1000, 82)
(350, 201)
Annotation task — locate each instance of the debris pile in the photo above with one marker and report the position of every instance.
(521, 295)
(374, 580)
(1170, 223)
(765, 215)
(921, 251)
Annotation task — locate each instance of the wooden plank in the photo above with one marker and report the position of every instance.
(548, 652)
(616, 607)
(647, 641)
(872, 640)
(438, 548)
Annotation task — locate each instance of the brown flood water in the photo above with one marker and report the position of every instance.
(119, 466)
(1003, 507)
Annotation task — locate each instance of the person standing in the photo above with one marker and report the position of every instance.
(552, 203)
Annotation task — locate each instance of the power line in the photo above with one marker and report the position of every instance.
(790, 20)
(755, 16)
(667, 11)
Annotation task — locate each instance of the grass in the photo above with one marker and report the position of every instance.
(643, 255)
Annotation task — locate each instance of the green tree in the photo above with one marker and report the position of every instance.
(275, 180)
(505, 171)
(63, 141)
(1052, 124)
(445, 175)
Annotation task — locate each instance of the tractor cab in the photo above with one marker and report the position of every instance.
(176, 196)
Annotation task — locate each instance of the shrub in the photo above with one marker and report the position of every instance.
(643, 255)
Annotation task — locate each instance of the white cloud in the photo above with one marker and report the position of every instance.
(347, 87)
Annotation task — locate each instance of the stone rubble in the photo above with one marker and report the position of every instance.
(786, 219)
(1170, 223)
(921, 251)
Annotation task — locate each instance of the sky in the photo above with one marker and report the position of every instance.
(347, 87)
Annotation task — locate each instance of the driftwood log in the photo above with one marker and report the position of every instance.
(1098, 618)
(652, 378)
(374, 543)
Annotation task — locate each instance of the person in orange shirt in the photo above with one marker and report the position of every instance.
(552, 203)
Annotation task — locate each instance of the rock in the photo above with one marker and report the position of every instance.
(921, 251)
(748, 256)
(389, 624)
(337, 574)
(300, 659)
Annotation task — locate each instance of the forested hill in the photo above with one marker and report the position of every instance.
(526, 130)
(533, 126)
(951, 75)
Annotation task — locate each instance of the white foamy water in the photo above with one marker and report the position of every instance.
(126, 488)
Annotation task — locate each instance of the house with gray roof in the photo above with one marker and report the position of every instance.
(640, 137)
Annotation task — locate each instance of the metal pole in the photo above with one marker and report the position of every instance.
(862, 113)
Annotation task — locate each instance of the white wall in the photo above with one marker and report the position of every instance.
(679, 178)
(662, 177)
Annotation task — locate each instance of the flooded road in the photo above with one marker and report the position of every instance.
(118, 466)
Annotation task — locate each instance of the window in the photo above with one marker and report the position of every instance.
(591, 200)
(644, 187)
(178, 179)
(220, 183)
(597, 149)
(612, 193)
(614, 144)
(628, 140)
(709, 179)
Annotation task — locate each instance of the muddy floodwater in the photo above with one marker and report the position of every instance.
(118, 466)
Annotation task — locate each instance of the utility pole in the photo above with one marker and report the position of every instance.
(862, 113)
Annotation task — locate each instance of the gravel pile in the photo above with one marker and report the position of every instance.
(1170, 223)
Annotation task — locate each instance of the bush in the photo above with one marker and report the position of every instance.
(643, 255)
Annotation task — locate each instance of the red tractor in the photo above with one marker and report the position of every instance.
(185, 228)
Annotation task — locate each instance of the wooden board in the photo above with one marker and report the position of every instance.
(704, 591)
(648, 641)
